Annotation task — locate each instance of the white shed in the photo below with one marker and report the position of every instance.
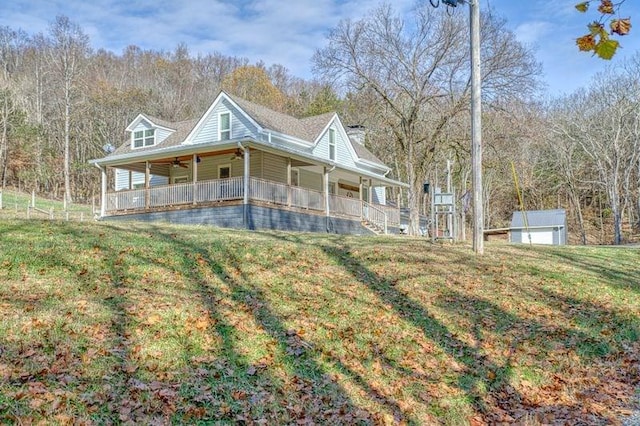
(540, 227)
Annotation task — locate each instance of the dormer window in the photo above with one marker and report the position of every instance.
(142, 138)
(332, 144)
(225, 126)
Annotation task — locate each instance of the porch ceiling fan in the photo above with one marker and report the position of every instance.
(239, 154)
(175, 163)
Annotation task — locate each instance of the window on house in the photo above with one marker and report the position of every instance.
(224, 172)
(332, 144)
(143, 138)
(225, 126)
(180, 179)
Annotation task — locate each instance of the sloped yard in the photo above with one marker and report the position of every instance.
(129, 323)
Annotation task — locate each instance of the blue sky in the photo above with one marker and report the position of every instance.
(288, 32)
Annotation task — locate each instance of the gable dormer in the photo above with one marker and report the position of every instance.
(148, 132)
(224, 121)
(333, 144)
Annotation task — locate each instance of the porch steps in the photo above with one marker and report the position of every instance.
(372, 227)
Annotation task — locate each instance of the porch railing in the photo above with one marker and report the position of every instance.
(259, 189)
(345, 206)
(374, 215)
(393, 214)
(307, 198)
(125, 200)
(170, 195)
(220, 189)
(270, 192)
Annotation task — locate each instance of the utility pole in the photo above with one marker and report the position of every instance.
(476, 129)
(476, 120)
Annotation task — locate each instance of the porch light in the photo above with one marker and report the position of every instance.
(452, 3)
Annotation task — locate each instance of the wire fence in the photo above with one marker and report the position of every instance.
(20, 205)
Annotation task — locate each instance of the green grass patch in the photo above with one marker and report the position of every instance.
(146, 323)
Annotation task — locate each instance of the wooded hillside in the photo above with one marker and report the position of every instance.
(62, 101)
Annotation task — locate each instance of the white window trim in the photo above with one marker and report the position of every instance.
(144, 138)
(223, 166)
(333, 144)
(220, 114)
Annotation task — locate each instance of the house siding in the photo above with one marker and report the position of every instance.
(274, 167)
(137, 178)
(379, 195)
(161, 135)
(310, 180)
(343, 153)
(240, 125)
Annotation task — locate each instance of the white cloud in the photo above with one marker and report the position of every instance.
(531, 32)
(288, 33)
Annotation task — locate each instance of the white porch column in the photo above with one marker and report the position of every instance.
(360, 195)
(370, 191)
(103, 192)
(247, 174)
(194, 162)
(325, 179)
(147, 184)
(289, 182)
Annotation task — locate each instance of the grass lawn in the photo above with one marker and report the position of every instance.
(15, 203)
(105, 323)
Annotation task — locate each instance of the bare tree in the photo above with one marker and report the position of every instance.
(69, 49)
(11, 44)
(417, 71)
(605, 123)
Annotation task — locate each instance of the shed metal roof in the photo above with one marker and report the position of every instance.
(539, 218)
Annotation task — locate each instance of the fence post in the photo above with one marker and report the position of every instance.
(66, 215)
(81, 216)
(1, 207)
(50, 213)
(33, 198)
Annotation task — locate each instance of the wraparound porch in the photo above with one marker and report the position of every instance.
(209, 192)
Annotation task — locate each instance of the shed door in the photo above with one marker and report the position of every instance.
(539, 236)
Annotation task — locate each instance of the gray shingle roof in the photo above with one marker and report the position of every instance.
(307, 129)
(182, 130)
(160, 121)
(365, 154)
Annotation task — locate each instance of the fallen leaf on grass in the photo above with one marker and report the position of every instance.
(153, 319)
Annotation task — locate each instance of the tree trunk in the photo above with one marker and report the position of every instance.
(578, 209)
(4, 142)
(67, 166)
